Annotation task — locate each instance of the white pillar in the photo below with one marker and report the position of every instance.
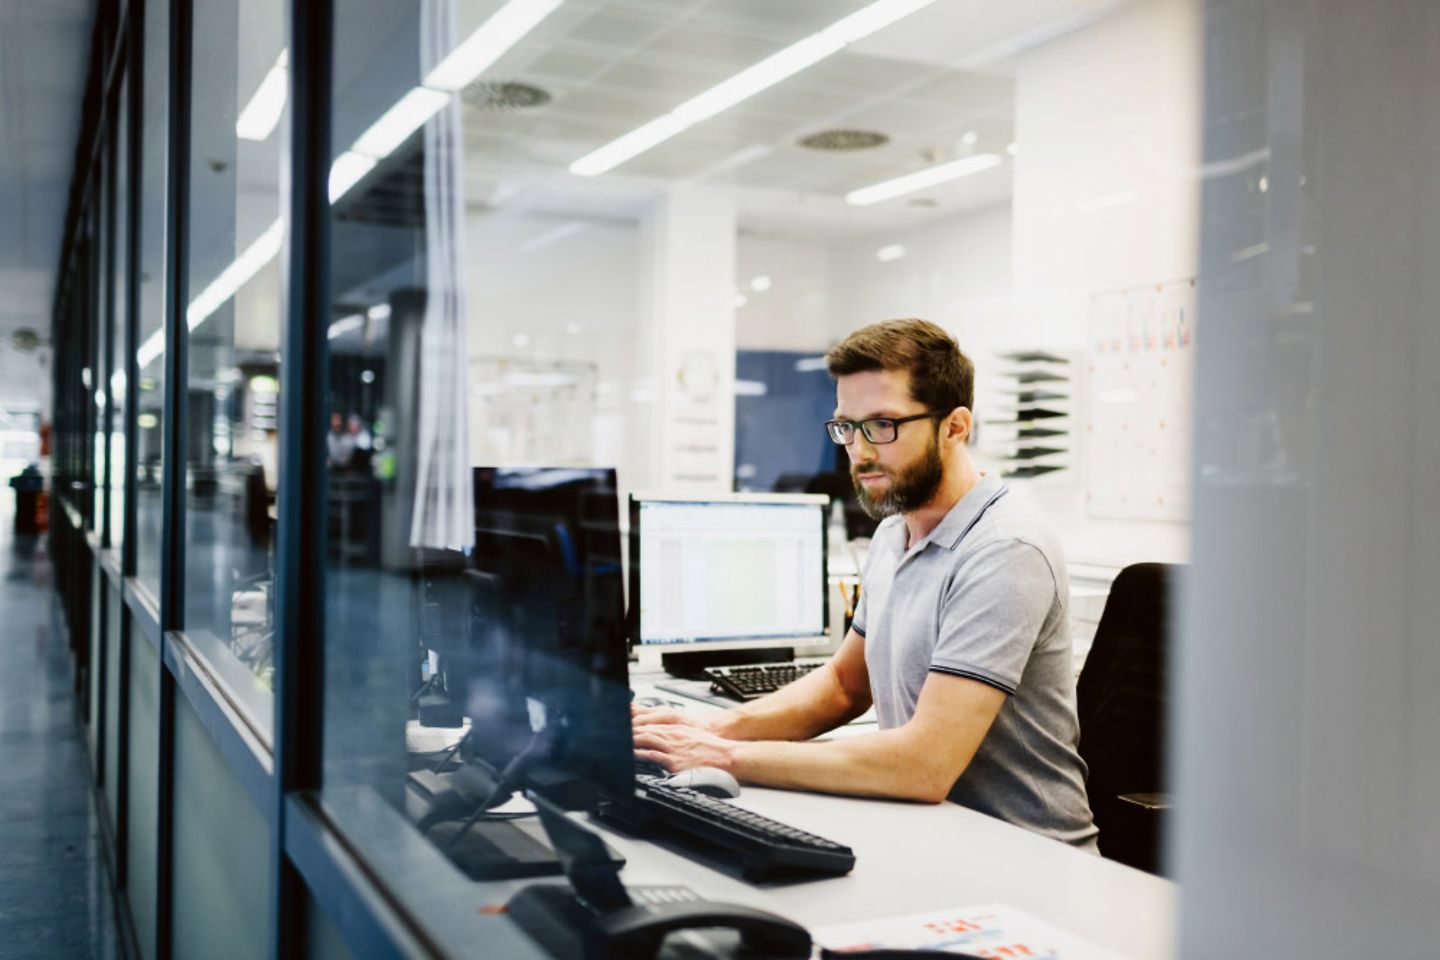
(689, 284)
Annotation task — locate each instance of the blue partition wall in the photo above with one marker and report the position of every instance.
(779, 387)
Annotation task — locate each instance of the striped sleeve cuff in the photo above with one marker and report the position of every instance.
(972, 675)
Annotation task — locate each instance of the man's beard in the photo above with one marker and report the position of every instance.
(909, 490)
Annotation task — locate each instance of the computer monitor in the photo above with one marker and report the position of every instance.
(557, 698)
(543, 669)
(740, 572)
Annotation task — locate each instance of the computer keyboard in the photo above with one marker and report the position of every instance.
(764, 848)
(752, 681)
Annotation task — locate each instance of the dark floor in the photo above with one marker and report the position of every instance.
(55, 897)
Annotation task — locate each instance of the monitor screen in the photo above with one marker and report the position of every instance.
(728, 569)
(543, 671)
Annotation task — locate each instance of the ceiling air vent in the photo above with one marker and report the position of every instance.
(504, 97)
(841, 141)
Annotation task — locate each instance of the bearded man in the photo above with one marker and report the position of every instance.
(961, 639)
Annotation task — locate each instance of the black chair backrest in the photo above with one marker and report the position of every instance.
(1122, 689)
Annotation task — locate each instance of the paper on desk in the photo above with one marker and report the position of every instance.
(993, 931)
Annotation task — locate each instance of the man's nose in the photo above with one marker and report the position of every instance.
(861, 449)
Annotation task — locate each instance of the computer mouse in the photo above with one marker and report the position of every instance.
(707, 780)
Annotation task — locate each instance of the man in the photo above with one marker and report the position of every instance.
(339, 444)
(960, 640)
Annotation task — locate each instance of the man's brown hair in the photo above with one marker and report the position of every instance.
(941, 377)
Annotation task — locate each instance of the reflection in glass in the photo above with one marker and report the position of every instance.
(523, 655)
(115, 496)
(518, 281)
(232, 398)
(149, 350)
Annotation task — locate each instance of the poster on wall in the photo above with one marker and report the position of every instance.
(1139, 359)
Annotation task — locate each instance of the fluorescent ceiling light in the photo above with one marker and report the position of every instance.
(383, 137)
(345, 325)
(151, 349)
(747, 83)
(891, 253)
(488, 43)
(348, 169)
(929, 177)
(257, 121)
(395, 126)
(378, 312)
(265, 248)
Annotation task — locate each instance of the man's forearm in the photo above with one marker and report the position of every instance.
(798, 711)
(880, 764)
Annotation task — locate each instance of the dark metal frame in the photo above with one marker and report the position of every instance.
(134, 28)
(302, 501)
(177, 341)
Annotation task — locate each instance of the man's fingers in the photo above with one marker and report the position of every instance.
(651, 738)
(649, 716)
(655, 756)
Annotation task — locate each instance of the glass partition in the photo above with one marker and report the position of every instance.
(232, 394)
(150, 348)
(119, 345)
(566, 240)
(92, 377)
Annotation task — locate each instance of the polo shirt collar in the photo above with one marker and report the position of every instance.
(952, 528)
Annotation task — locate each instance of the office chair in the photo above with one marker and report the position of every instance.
(1121, 697)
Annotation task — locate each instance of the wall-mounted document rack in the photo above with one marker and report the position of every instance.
(1028, 423)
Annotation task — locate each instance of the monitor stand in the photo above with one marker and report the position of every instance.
(691, 664)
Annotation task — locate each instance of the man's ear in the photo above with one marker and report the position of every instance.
(958, 425)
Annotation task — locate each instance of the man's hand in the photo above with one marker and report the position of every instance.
(678, 744)
(642, 715)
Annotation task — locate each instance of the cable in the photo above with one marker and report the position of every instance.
(505, 784)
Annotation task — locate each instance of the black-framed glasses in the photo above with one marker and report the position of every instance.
(876, 429)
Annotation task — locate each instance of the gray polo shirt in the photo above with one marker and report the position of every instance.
(985, 596)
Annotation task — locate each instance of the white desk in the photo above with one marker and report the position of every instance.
(914, 858)
(910, 858)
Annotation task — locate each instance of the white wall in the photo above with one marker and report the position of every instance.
(1108, 122)
(955, 272)
(795, 312)
(574, 298)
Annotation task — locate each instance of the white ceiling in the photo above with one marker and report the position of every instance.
(44, 48)
(612, 65)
